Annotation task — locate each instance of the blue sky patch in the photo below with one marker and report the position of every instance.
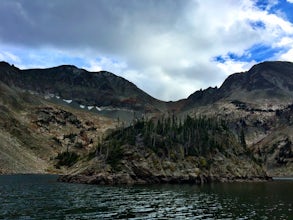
(219, 59)
(282, 6)
(261, 52)
(286, 8)
(257, 25)
(262, 4)
(258, 53)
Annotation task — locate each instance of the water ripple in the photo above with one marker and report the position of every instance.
(41, 197)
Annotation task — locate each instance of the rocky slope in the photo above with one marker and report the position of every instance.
(258, 103)
(97, 89)
(275, 150)
(267, 84)
(33, 132)
(265, 131)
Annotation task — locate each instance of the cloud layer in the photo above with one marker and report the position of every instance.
(168, 48)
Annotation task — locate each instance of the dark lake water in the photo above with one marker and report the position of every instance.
(42, 197)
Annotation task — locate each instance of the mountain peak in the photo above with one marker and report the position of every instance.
(279, 66)
(4, 64)
(101, 89)
(266, 80)
(270, 80)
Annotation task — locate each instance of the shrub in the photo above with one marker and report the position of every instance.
(203, 162)
(66, 159)
(115, 155)
(78, 145)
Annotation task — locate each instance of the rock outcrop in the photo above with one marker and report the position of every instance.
(164, 153)
(142, 166)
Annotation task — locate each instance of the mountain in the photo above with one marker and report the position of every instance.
(257, 103)
(35, 132)
(98, 89)
(272, 80)
(15, 137)
(257, 107)
(265, 83)
(51, 121)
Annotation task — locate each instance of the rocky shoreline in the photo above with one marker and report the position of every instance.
(145, 167)
(126, 179)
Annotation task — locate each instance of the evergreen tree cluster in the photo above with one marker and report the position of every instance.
(171, 137)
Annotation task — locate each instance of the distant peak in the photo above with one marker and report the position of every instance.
(67, 67)
(4, 64)
(271, 65)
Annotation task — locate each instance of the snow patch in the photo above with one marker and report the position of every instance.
(81, 106)
(90, 107)
(67, 100)
(110, 108)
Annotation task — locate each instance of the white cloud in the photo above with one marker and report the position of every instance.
(93, 66)
(164, 47)
(288, 56)
(231, 66)
(155, 81)
(203, 35)
(105, 63)
(290, 1)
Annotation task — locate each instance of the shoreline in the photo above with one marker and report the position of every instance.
(283, 178)
(110, 180)
(117, 179)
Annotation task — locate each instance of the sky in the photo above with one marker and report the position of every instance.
(168, 48)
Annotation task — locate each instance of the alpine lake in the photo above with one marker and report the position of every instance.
(34, 196)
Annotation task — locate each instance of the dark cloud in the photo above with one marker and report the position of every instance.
(154, 43)
(109, 25)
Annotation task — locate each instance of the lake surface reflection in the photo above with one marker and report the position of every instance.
(42, 197)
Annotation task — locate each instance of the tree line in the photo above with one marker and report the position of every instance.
(172, 137)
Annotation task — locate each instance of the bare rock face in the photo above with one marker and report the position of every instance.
(142, 166)
(275, 151)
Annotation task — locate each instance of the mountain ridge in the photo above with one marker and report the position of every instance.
(266, 80)
(270, 79)
(256, 104)
(86, 88)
